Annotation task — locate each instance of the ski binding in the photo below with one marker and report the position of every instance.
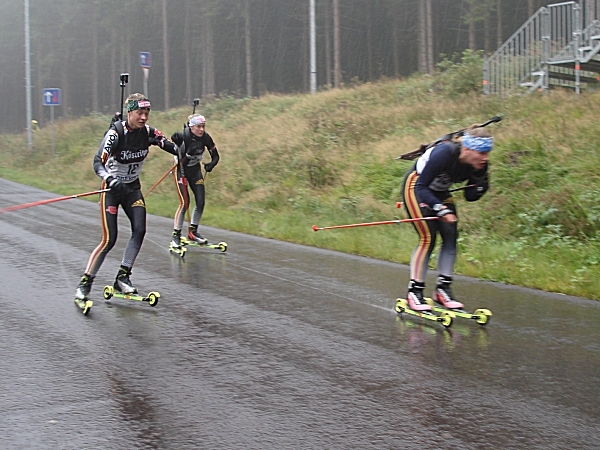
(151, 298)
(177, 250)
(445, 317)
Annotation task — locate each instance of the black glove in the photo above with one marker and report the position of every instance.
(177, 137)
(209, 166)
(115, 186)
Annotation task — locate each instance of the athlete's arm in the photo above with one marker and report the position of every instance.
(111, 139)
(155, 137)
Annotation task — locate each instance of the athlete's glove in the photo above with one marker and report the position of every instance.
(115, 186)
(210, 166)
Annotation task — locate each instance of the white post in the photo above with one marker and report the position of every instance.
(313, 50)
(52, 129)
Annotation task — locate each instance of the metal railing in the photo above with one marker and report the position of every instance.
(522, 61)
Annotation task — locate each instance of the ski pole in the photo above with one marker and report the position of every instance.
(370, 224)
(52, 200)
(160, 180)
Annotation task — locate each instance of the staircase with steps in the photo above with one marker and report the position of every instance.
(558, 46)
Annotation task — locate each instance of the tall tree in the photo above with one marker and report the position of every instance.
(166, 55)
(248, 48)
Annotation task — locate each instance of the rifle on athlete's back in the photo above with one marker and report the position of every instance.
(448, 137)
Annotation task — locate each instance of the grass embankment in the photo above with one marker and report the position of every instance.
(288, 162)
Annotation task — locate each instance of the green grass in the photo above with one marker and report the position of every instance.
(291, 161)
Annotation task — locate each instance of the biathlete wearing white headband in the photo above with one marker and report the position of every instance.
(426, 193)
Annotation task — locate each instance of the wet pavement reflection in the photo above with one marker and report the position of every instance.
(273, 345)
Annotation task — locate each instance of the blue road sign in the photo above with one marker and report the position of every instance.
(51, 97)
(145, 59)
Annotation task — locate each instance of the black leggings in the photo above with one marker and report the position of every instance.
(195, 181)
(428, 231)
(132, 202)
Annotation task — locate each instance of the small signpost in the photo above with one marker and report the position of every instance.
(146, 63)
(51, 98)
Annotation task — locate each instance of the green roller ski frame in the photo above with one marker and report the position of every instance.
(222, 246)
(151, 298)
(178, 251)
(84, 305)
(481, 316)
(445, 317)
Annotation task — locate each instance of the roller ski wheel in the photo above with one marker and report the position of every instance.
(84, 305)
(178, 250)
(445, 317)
(151, 298)
(481, 316)
(221, 246)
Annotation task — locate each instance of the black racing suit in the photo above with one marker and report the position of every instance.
(124, 161)
(192, 148)
(427, 184)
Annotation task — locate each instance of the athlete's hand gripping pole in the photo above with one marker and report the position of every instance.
(370, 224)
(51, 200)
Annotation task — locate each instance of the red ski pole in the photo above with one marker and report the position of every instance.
(51, 200)
(370, 224)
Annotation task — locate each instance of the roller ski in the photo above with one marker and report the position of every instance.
(445, 318)
(151, 298)
(175, 246)
(81, 299)
(222, 246)
(481, 315)
(444, 301)
(124, 289)
(194, 239)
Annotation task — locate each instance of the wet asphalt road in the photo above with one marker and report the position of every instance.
(273, 346)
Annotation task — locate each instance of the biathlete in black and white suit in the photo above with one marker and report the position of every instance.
(426, 194)
(192, 144)
(118, 162)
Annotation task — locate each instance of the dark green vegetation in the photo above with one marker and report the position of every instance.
(292, 161)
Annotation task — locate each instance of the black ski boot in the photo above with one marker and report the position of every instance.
(176, 240)
(84, 288)
(122, 282)
(443, 293)
(194, 236)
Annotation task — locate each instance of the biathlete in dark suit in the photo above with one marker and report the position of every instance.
(426, 194)
(192, 143)
(118, 162)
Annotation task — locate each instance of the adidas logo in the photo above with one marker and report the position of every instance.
(139, 202)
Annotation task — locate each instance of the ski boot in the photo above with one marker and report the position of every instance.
(84, 288)
(443, 293)
(122, 282)
(194, 236)
(415, 305)
(177, 243)
(414, 298)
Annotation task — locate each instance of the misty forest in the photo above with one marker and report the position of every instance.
(239, 48)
